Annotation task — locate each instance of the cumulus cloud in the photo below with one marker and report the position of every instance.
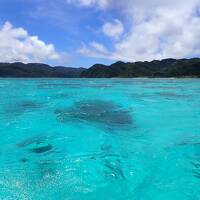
(158, 29)
(113, 30)
(17, 45)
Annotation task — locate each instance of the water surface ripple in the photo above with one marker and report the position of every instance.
(94, 139)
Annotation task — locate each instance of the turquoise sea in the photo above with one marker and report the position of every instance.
(99, 139)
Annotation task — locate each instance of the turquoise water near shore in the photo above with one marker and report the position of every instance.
(94, 139)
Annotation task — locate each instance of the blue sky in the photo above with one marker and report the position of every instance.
(83, 32)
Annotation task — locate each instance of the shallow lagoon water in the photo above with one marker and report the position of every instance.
(90, 139)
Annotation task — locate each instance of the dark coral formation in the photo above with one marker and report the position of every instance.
(42, 149)
(106, 147)
(96, 111)
(172, 95)
(24, 160)
(31, 140)
(196, 170)
(114, 169)
(36, 144)
(19, 108)
(29, 105)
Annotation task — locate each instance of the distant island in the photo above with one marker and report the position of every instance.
(154, 69)
(38, 70)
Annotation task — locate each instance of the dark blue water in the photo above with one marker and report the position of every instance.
(94, 139)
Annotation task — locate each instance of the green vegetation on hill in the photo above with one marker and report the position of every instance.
(37, 70)
(154, 69)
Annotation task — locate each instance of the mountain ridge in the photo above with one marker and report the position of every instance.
(37, 70)
(153, 69)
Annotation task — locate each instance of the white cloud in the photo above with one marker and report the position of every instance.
(17, 45)
(113, 30)
(94, 49)
(99, 47)
(158, 29)
(100, 3)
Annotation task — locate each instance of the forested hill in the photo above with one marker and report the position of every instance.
(37, 70)
(156, 68)
(153, 69)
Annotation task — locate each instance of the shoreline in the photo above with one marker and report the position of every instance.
(100, 78)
